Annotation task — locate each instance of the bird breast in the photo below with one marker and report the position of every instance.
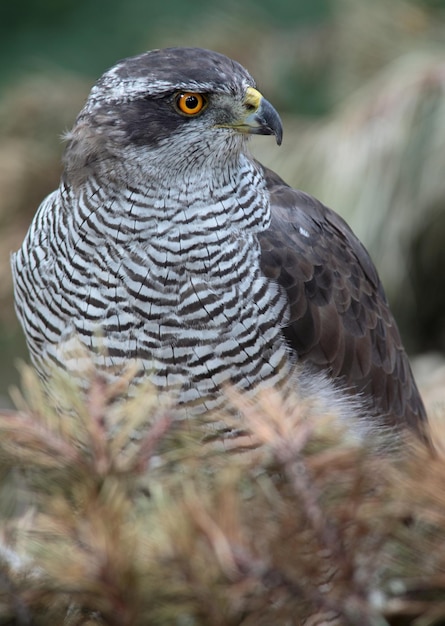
(168, 278)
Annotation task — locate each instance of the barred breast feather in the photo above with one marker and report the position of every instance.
(175, 286)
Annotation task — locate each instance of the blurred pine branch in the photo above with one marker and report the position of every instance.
(158, 528)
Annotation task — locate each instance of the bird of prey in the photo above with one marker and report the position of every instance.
(168, 244)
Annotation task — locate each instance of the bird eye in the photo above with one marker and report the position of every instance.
(190, 103)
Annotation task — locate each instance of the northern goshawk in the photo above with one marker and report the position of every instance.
(169, 244)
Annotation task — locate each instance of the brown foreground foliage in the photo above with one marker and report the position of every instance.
(117, 514)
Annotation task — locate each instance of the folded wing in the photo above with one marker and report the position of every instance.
(340, 320)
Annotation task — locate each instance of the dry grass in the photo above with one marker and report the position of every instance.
(377, 161)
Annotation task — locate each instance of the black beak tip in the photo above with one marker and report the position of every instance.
(271, 121)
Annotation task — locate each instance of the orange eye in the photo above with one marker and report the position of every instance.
(190, 103)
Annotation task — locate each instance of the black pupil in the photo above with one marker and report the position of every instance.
(191, 102)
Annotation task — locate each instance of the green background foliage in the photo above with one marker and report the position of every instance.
(86, 36)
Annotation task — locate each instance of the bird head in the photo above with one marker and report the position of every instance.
(172, 108)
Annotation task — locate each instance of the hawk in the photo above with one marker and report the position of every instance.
(168, 244)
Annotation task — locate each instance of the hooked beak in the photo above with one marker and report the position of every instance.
(261, 118)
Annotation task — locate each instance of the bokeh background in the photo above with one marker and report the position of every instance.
(361, 89)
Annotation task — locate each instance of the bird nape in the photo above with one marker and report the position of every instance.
(168, 244)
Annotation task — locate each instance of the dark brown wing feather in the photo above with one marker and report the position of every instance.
(340, 320)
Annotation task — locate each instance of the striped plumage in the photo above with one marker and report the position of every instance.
(167, 243)
(167, 295)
